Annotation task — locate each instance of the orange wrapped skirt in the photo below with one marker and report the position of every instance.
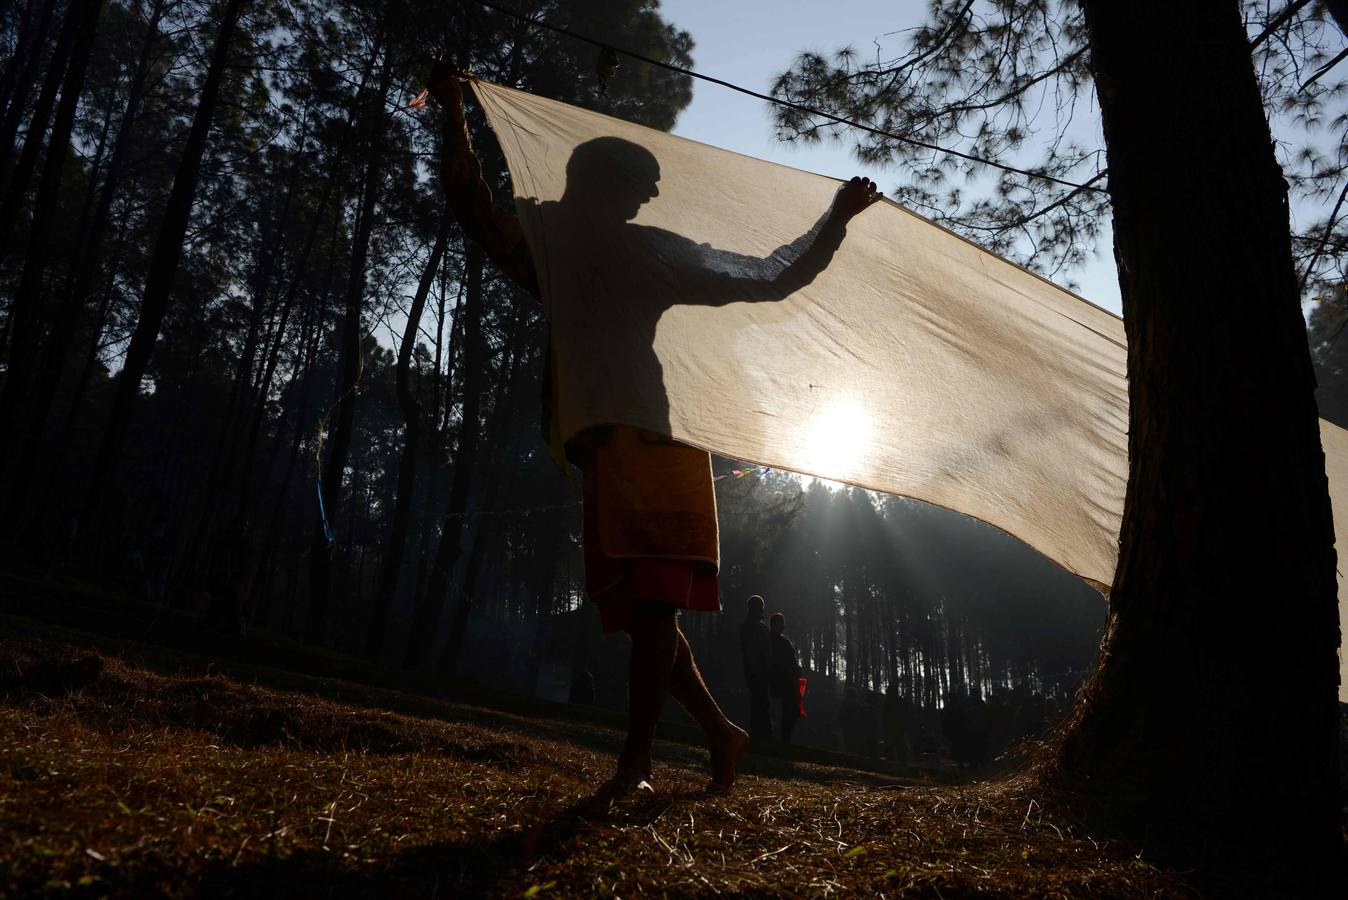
(650, 533)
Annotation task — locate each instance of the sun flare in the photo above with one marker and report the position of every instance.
(836, 438)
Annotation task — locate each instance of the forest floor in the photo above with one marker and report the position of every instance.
(125, 772)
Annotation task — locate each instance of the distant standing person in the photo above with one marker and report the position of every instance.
(756, 648)
(785, 674)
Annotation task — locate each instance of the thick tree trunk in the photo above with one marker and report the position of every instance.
(163, 268)
(407, 463)
(1210, 727)
(349, 366)
(427, 609)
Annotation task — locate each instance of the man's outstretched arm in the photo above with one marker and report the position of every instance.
(468, 196)
(727, 277)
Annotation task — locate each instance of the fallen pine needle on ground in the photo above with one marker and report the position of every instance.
(118, 780)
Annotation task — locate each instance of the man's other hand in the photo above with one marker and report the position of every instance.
(853, 197)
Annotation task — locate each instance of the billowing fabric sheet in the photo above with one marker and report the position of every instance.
(1334, 440)
(693, 292)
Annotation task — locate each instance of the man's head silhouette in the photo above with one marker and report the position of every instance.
(755, 608)
(612, 176)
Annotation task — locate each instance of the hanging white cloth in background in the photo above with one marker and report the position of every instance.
(691, 293)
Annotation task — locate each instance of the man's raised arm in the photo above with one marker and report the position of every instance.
(468, 196)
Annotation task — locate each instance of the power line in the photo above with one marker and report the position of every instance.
(538, 23)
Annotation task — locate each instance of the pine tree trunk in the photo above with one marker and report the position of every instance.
(28, 56)
(259, 411)
(349, 364)
(451, 354)
(427, 608)
(225, 455)
(503, 406)
(59, 350)
(1210, 727)
(16, 181)
(407, 464)
(437, 381)
(16, 80)
(545, 589)
(303, 371)
(297, 280)
(163, 269)
(26, 319)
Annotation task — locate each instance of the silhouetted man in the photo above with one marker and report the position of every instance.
(756, 652)
(650, 539)
(785, 675)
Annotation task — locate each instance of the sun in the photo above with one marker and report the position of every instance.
(836, 439)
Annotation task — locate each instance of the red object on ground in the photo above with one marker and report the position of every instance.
(800, 695)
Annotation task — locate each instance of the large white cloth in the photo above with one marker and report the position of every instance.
(1334, 440)
(693, 293)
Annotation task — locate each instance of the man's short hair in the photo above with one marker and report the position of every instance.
(777, 618)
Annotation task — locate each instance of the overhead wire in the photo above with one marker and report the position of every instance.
(789, 104)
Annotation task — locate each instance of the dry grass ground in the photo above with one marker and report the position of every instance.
(119, 780)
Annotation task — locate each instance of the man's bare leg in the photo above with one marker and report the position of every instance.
(655, 636)
(728, 742)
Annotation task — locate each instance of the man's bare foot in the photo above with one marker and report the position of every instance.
(622, 784)
(726, 751)
(630, 777)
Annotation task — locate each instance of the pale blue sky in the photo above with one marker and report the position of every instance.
(748, 42)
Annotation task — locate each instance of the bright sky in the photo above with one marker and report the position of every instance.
(748, 42)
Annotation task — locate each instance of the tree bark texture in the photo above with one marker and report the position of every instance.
(1210, 727)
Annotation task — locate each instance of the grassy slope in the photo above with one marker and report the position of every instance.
(127, 768)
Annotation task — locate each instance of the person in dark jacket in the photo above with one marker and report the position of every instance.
(756, 651)
(785, 675)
